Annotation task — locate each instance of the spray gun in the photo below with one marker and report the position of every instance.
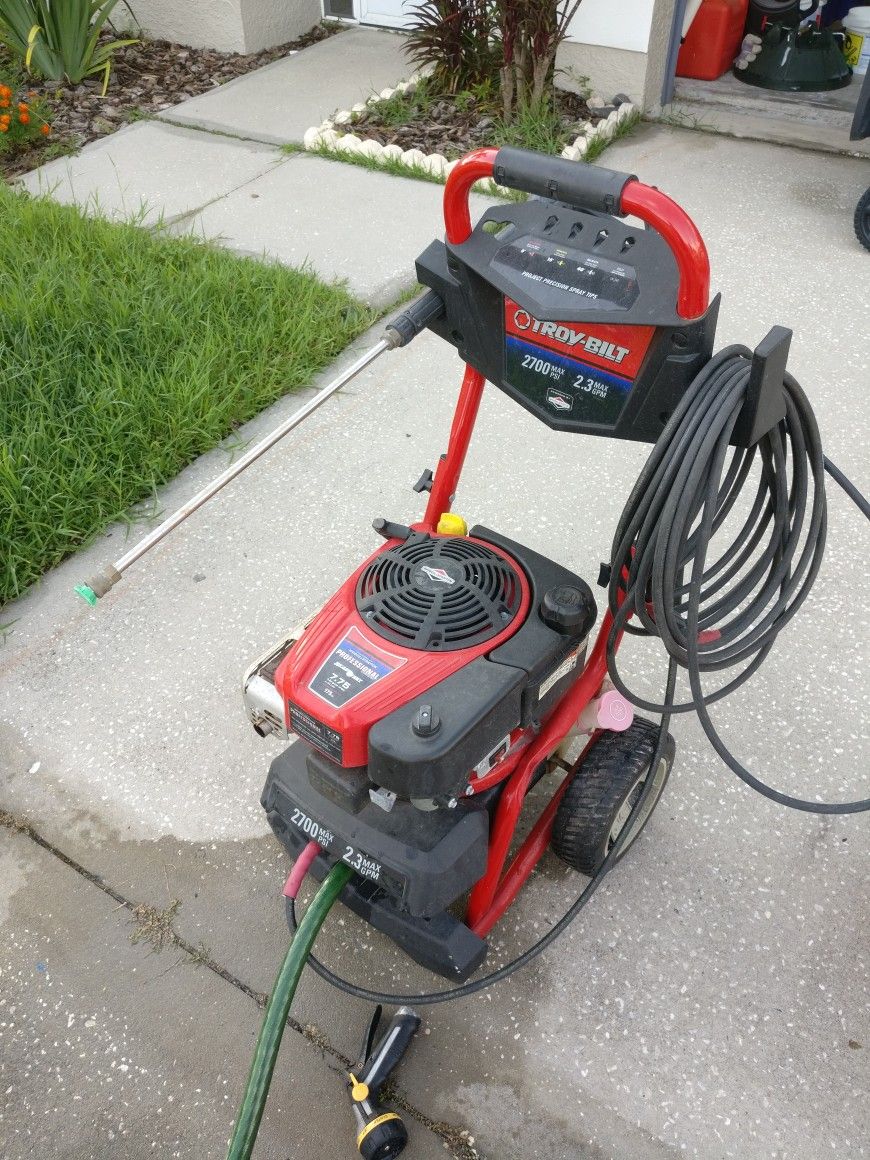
(381, 1135)
(399, 332)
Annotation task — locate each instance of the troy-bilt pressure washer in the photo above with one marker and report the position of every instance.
(452, 671)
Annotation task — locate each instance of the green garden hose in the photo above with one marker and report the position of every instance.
(277, 1010)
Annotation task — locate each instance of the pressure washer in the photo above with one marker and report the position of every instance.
(456, 668)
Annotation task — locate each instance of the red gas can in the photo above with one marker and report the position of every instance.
(712, 42)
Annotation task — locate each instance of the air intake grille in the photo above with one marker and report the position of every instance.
(438, 594)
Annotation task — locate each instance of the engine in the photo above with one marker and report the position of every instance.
(427, 669)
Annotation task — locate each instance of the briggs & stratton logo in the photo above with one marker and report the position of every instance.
(559, 400)
(439, 574)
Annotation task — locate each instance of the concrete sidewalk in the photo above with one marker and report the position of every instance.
(258, 202)
(279, 102)
(225, 180)
(713, 1002)
(110, 1049)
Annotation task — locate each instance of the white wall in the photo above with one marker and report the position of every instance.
(227, 25)
(201, 24)
(270, 22)
(613, 23)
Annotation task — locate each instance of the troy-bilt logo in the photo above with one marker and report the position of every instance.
(438, 574)
(567, 335)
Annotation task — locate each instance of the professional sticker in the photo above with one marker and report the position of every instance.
(354, 665)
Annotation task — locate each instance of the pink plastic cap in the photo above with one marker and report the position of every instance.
(614, 712)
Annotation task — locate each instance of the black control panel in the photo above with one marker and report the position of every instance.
(602, 283)
(573, 313)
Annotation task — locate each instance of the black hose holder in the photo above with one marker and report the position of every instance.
(765, 401)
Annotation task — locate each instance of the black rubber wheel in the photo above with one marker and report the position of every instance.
(862, 219)
(598, 801)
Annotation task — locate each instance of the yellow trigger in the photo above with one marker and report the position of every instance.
(359, 1091)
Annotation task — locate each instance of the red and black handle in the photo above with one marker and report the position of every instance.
(590, 187)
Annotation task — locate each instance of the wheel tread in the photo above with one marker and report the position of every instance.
(609, 771)
(862, 219)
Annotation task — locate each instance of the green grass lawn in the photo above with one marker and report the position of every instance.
(123, 356)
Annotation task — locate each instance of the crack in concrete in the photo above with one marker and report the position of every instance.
(155, 927)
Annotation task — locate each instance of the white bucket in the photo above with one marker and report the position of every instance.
(857, 47)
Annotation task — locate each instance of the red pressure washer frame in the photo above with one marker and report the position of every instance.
(496, 890)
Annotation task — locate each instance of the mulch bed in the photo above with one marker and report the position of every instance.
(452, 129)
(146, 78)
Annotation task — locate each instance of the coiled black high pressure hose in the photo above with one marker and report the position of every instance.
(714, 615)
(709, 616)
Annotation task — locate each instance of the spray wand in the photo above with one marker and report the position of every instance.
(399, 332)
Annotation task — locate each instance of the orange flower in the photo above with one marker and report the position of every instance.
(24, 118)
(22, 108)
(45, 130)
(4, 103)
(5, 119)
(5, 91)
(3, 128)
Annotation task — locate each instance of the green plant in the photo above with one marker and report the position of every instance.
(623, 129)
(136, 113)
(485, 91)
(455, 39)
(124, 356)
(539, 128)
(24, 117)
(385, 164)
(401, 107)
(56, 148)
(578, 81)
(529, 34)
(60, 38)
(464, 100)
(466, 42)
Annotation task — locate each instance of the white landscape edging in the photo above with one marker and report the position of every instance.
(603, 131)
(329, 137)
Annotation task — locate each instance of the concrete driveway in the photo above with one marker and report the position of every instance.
(713, 1001)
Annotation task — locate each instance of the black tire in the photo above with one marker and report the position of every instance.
(612, 774)
(862, 219)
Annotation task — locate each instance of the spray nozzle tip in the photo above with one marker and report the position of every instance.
(87, 593)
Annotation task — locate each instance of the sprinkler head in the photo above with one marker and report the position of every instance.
(385, 1138)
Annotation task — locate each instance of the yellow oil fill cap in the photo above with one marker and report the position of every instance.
(451, 524)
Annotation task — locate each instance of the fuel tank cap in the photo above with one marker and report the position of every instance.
(568, 609)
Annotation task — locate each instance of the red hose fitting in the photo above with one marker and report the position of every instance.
(300, 868)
